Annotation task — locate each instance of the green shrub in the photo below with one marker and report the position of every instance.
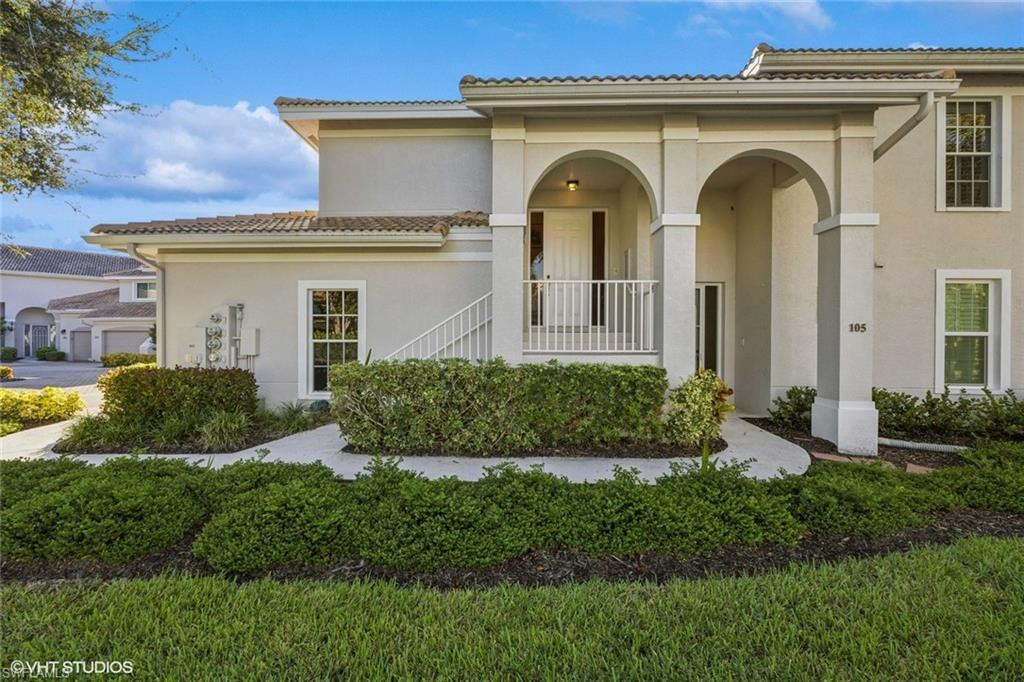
(992, 488)
(42, 352)
(289, 418)
(698, 408)
(126, 359)
(863, 499)
(239, 478)
(793, 411)
(121, 510)
(45, 405)
(6, 373)
(491, 407)
(150, 394)
(224, 431)
(276, 525)
(991, 454)
(24, 478)
(55, 356)
(397, 518)
(8, 353)
(8, 426)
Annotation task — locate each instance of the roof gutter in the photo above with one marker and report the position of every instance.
(161, 307)
(925, 105)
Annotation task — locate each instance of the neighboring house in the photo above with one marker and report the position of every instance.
(113, 320)
(30, 276)
(838, 218)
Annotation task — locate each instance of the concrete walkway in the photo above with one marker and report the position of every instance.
(768, 455)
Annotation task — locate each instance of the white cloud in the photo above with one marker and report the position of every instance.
(804, 14)
(194, 151)
(921, 46)
(699, 23)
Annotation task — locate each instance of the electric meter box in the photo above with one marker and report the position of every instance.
(249, 343)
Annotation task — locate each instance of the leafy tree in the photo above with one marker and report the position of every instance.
(59, 59)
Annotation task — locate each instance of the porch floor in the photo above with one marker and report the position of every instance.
(767, 455)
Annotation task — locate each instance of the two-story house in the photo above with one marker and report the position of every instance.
(116, 319)
(33, 278)
(836, 218)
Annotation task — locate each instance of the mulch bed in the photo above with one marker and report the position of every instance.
(557, 567)
(899, 457)
(611, 451)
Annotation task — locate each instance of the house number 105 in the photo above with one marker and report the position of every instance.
(859, 327)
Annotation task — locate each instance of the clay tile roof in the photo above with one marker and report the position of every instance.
(87, 301)
(124, 309)
(60, 261)
(315, 102)
(686, 78)
(765, 47)
(299, 222)
(104, 304)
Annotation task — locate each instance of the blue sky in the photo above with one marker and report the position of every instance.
(210, 143)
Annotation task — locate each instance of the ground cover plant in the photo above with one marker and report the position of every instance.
(929, 614)
(162, 410)
(24, 409)
(936, 418)
(490, 408)
(253, 517)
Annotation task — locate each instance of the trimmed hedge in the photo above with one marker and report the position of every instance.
(54, 356)
(400, 519)
(8, 353)
(147, 394)
(43, 351)
(935, 416)
(493, 408)
(126, 359)
(38, 407)
(120, 511)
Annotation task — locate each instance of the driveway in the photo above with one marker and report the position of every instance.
(39, 374)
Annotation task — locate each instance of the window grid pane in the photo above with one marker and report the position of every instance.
(334, 331)
(967, 306)
(968, 153)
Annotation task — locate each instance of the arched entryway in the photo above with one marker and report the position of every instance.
(588, 284)
(33, 329)
(756, 272)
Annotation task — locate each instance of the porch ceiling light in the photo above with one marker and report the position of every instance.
(573, 185)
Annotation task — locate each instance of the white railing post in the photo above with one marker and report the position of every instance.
(589, 316)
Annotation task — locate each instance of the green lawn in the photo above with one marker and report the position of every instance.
(950, 613)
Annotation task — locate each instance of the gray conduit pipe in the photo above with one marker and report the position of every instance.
(930, 447)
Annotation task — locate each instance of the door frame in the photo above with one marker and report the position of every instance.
(719, 326)
(565, 209)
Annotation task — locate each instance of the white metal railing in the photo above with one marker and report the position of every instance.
(589, 316)
(466, 334)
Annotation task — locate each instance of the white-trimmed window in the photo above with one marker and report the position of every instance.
(972, 328)
(973, 154)
(332, 324)
(145, 291)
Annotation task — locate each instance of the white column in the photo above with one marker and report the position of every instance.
(674, 255)
(843, 413)
(508, 234)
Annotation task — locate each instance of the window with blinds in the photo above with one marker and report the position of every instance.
(967, 332)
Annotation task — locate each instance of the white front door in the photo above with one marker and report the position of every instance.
(567, 263)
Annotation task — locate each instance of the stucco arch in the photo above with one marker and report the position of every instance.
(809, 171)
(537, 168)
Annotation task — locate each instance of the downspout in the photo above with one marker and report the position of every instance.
(925, 105)
(161, 333)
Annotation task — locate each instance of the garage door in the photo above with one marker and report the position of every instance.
(123, 341)
(81, 346)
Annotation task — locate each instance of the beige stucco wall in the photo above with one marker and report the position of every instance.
(914, 240)
(403, 299)
(403, 175)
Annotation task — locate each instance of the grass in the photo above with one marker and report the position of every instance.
(949, 613)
